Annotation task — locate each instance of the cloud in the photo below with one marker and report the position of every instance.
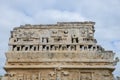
(117, 70)
(52, 16)
(117, 44)
(11, 17)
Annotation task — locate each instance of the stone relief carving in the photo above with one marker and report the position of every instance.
(73, 75)
(24, 35)
(65, 73)
(91, 32)
(52, 76)
(62, 74)
(74, 39)
(86, 76)
(87, 32)
(83, 32)
(35, 77)
(57, 52)
(20, 77)
(12, 76)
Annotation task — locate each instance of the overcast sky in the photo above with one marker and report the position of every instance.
(106, 14)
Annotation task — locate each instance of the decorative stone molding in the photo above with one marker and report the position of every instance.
(62, 51)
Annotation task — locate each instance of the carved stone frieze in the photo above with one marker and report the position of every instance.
(62, 51)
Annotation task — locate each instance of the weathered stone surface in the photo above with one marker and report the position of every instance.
(62, 51)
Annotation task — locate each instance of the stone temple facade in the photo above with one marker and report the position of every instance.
(62, 51)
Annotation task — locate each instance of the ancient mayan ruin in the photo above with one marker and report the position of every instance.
(62, 51)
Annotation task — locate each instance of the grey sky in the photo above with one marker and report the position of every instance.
(106, 14)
